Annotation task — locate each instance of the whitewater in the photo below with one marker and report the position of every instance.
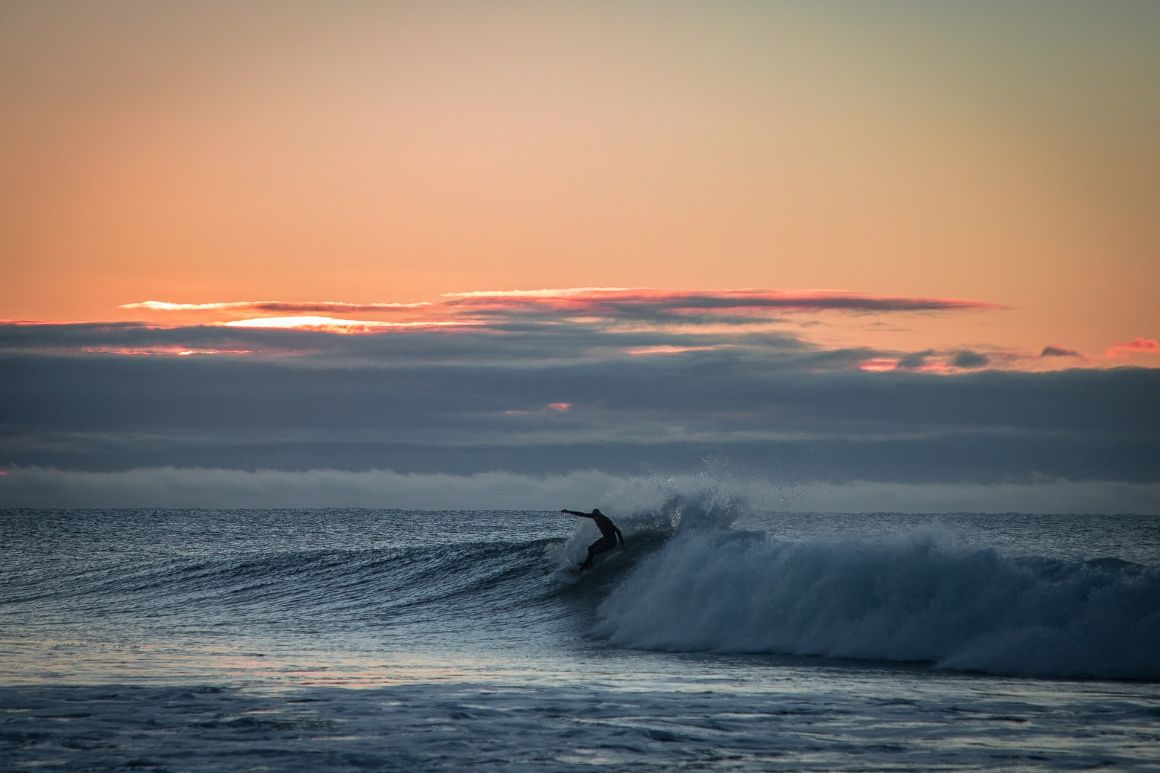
(723, 636)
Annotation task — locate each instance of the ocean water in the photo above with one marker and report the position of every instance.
(722, 637)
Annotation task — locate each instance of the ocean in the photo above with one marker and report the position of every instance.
(722, 637)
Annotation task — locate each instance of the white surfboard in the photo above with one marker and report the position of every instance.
(571, 575)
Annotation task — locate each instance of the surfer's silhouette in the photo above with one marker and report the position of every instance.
(609, 535)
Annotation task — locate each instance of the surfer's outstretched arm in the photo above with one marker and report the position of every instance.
(573, 512)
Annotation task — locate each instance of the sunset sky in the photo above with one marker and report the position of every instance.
(885, 255)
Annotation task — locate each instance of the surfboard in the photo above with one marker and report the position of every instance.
(570, 575)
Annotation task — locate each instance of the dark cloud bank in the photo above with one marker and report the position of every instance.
(554, 400)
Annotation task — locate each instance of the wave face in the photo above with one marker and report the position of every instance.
(907, 599)
(339, 591)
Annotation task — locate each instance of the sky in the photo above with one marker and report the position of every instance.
(840, 256)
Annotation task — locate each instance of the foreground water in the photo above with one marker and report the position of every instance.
(335, 640)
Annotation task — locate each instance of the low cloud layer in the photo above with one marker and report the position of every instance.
(545, 384)
(215, 488)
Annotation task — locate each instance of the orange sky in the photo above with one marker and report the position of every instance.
(365, 153)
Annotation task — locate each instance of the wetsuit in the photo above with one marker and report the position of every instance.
(609, 535)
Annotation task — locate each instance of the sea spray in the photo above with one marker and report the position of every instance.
(904, 598)
(668, 507)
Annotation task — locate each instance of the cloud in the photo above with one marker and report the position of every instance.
(789, 412)
(736, 306)
(879, 364)
(622, 494)
(558, 293)
(336, 325)
(546, 383)
(1136, 346)
(1058, 351)
(915, 360)
(284, 307)
(420, 341)
(1053, 496)
(610, 304)
(931, 361)
(628, 298)
(570, 324)
(968, 360)
(199, 487)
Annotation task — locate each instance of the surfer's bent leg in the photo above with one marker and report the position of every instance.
(599, 546)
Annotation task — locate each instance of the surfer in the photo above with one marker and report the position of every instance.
(609, 535)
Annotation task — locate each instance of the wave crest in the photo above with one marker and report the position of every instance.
(906, 599)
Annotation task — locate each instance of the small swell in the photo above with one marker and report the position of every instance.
(293, 584)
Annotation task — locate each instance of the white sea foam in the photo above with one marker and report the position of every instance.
(908, 598)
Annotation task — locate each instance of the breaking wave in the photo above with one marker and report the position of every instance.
(910, 598)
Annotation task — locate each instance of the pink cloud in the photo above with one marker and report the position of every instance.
(1134, 347)
(662, 349)
(878, 365)
(336, 325)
